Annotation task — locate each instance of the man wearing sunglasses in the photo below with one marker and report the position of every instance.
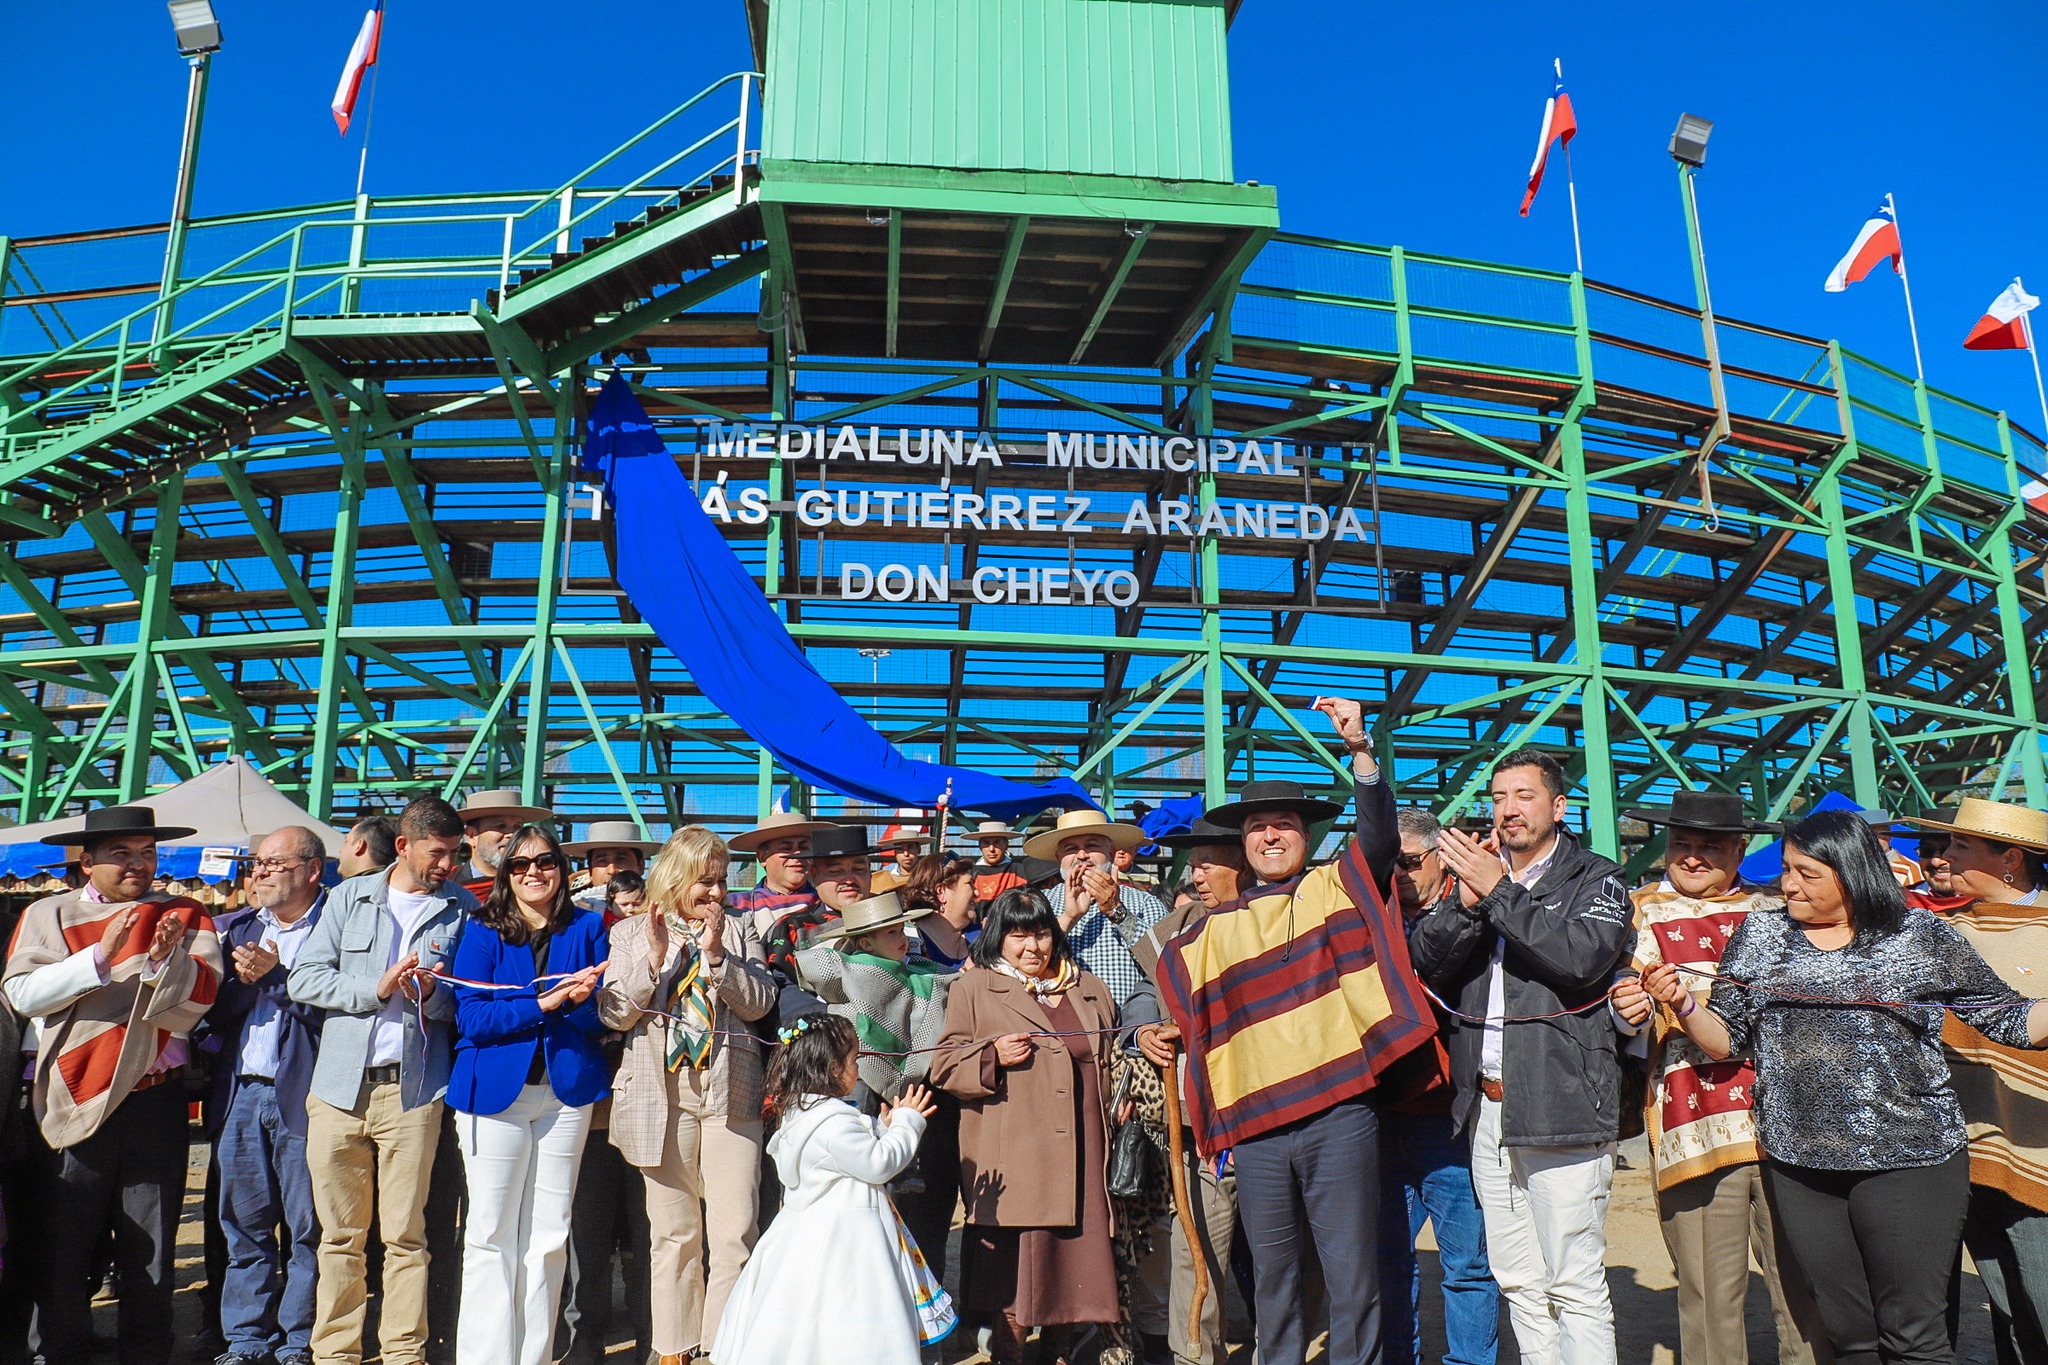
(373, 1119)
(1426, 1168)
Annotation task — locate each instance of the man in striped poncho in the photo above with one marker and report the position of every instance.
(1295, 1002)
(114, 976)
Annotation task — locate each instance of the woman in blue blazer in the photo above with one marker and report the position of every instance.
(528, 1068)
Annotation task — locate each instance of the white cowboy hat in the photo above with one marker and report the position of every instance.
(867, 916)
(1046, 843)
(503, 801)
(784, 824)
(611, 834)
(2000, 821)
(994, 829)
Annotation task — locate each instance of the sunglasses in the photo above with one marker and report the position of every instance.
(544, 862)
(1408, 862)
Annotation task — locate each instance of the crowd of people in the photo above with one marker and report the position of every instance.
(470, 1088)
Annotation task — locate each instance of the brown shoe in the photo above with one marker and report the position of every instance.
(1007, 1344)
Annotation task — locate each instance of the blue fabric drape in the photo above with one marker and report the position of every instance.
(687, 584)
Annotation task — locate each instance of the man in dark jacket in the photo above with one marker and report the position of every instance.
(1535, 930)
(265, 1064)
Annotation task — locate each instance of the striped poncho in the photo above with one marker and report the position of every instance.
(898, 1008)
(93, 1051)
(2004, 1090)
(1292, 999)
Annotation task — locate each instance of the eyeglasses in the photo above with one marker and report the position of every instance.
(543, 862)
(276, 864)
(1408, 862)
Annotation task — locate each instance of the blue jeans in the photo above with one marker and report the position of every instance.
(266, 1302)
(1426, 1172)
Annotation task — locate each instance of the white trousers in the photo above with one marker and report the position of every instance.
(521, 1165)
(1546, 1238)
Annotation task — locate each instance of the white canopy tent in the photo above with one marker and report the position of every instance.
(230, 805)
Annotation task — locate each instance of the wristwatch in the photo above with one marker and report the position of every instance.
(1358, 746)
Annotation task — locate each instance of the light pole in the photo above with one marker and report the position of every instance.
(1689, 150)
(874, 654)
(198, 35)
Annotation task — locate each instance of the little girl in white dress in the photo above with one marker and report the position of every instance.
(837, 1277)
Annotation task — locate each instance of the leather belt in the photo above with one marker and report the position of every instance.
(1491, 1088)
(156, 1078)
(381, 1075)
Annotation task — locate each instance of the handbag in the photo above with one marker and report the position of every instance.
(1130, 1151)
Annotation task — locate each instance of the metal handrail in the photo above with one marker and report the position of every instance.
(118, 332)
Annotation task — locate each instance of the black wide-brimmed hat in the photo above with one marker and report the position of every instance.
(1256, 798)
(117, 822)
(841, 841)
(1204, 833)
(1714, 812)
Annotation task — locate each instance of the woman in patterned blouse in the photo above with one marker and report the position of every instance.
(1841, 1002)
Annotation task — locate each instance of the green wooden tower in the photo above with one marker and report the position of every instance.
(1016, 181)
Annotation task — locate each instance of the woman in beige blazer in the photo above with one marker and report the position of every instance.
(682, 984)
(1033, 1125)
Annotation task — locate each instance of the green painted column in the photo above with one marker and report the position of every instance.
(1857, 730)
(1601, 820)
(2012, 631)
(547, 595)
(339, 615)
(140, 746)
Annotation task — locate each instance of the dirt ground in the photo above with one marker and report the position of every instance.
(1638, 1272)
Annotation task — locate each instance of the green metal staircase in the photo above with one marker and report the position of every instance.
(138, 401)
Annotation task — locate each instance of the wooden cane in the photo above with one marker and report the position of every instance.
(1183, 1207)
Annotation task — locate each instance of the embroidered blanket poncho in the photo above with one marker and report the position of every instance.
(1699, 1111)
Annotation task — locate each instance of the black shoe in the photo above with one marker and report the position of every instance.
(1153, 1350)
(243, 1358)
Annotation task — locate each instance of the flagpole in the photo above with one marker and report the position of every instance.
(1905, 281)
(370, 114)
(2034, 353)
(1571, 185)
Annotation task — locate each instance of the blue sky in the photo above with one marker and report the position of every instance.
(1378, 122)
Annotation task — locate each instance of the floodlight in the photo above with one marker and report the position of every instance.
(198, 31)
(1689, 143)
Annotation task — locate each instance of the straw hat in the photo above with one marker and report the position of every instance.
(1046, 843)
(503, 801)
(611, 834)
(867, 916)
(784, 824)
(1997, 820)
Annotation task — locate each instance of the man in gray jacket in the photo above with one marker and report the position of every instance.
(374, 1116)
(1527, 946)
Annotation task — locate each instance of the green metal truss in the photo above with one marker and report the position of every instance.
(331, 521)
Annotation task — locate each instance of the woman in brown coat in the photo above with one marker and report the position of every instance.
(1026, 1051)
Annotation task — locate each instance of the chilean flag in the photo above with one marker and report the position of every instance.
(1879, 239)
(361, 58)
(1559, 124)
(2034, 494)
(2004, 326)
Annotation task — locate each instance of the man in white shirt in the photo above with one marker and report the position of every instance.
(265, 1064)
(1529, 944)
(373, 1119)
